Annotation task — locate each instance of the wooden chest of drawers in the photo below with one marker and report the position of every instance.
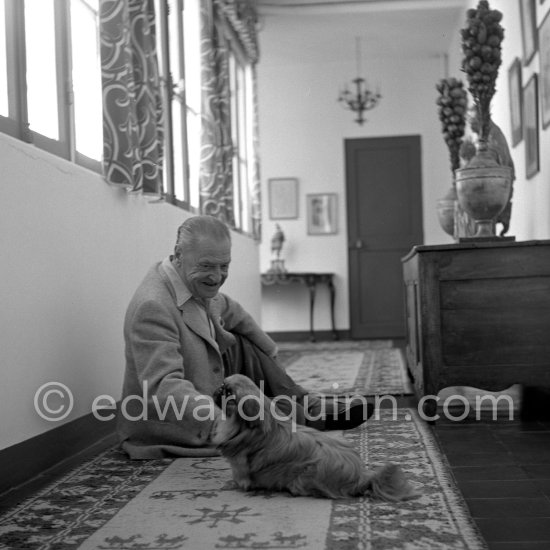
(478, 315)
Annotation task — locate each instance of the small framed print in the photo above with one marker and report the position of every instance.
(531, 127)
(544, 49)
(528, 29)
(515, 90)
(283, 198)
(322, 214)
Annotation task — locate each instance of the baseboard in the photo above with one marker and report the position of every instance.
(21, 463)
(304, 336)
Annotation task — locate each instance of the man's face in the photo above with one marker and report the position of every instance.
(204, 268)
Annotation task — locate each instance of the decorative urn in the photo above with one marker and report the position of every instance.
(483, 189)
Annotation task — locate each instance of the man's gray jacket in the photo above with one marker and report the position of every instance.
(174, 366)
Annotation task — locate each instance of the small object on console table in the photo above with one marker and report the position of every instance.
(277, 241)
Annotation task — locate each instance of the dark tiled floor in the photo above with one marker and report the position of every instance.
(502, 468)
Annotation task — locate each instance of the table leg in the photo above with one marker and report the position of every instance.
(311, 285)
(332, 299)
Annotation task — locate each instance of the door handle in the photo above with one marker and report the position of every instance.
(358, 244)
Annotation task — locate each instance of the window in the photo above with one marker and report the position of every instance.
(51, 93)
(192, 41)
(4, 102)
(179, 47)
(241, 125)
(86, 77)
(174, 54)
(13, 116)
(51, 90)
(43, 79)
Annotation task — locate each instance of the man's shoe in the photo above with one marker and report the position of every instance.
(338, 412)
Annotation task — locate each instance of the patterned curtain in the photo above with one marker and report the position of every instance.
(241, 16)
(132, 105)
(216, 170)
(216, 173)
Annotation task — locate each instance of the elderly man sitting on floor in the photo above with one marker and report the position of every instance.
(183, 337)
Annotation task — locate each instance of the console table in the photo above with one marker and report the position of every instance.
(310, 280)
(478, 314)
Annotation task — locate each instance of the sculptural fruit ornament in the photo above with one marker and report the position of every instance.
(482, 48)
(453, 105)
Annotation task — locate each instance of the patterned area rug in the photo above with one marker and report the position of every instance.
(371, 367)
(111, 503)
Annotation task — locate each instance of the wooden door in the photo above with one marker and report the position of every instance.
(384, 212)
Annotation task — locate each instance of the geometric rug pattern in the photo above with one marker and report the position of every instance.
(67, 512)
(189, 503)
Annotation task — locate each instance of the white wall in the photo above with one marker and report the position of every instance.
(73, 251)
(303, 129)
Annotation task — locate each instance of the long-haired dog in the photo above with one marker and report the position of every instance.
(268, 453)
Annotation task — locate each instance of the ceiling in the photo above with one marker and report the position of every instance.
(330, 28)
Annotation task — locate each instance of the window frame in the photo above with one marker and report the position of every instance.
(76, 156)
(241, 111)
(16, 124)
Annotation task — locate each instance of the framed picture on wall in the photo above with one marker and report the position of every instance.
(322, 214)
(531, 127)
(528, 29)
(544, 49)
(283, 198)
(515, 91)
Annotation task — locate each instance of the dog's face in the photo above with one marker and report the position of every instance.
(242, 405)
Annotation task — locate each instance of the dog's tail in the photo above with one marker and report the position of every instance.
(389, 483)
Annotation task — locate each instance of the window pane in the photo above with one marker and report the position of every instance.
(179, 189)
(194, 151)
(174, 37)
(86, 68)
(173, 32)
(41, 67)
(243, 143)
(162, 49)
(191, 34)
(241, 134)
(249, 92)
(234, 109)
(192, 55)
(4, 107)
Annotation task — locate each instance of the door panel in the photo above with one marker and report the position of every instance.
(383, 181)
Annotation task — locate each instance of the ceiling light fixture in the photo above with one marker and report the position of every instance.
(362, 99)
